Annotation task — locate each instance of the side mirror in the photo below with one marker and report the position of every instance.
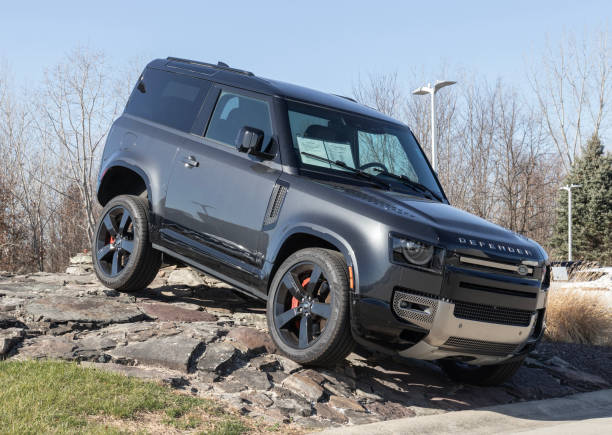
(250, 140)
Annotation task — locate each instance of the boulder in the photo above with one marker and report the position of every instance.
(218, 357)
(253, 379)
(185, 276)
(95, 310)
(304, 386)
(173, 352)
(345, 403)
(325, 411)
(173, 313)
(256, 341)
(81, 258)
(9, 338)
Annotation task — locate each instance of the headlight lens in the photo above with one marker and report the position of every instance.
(417, 253)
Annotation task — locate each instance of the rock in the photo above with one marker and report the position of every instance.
(185, 276)
(304, 386)
(52, 347)
(172, 313)
(134, 371)
(78, 270)
(358, 418)
(252, 379)
(232, 386)
(174, 352)
(390, 410)
(257, 398)
(265, 363)
(81, 258)
(345, 403)
(290, 407)
(256, 341)
(579, 377)
(325, 411)
(9, 338)
(535, 384)
(289, 366)
(338, 389)
(7, 321)
(93, 310)
(218, 357)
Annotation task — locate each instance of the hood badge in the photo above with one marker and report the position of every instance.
(494, 246)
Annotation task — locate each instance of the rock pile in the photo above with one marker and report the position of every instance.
(197, 334)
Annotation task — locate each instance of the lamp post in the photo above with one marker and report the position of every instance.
(569, 188)
(432, 91)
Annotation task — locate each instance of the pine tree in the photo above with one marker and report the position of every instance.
(591, 208)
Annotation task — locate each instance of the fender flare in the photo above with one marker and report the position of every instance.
(136, 169)
(331, 237)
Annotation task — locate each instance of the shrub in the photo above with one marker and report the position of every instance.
(578, 316)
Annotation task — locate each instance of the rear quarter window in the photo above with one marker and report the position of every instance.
(168, 98)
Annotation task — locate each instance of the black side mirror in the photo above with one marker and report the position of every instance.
(250, 140)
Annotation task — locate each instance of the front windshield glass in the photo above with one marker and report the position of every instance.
(379, 148)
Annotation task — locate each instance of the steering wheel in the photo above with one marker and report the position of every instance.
(373, 164)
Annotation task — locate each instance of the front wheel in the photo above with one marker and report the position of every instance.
(308, 307)
(123, 257)
(491, 375)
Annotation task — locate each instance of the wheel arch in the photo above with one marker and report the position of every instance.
(122, 179)
(309, 237)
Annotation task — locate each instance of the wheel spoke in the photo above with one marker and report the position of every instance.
(115, 267)
(321, 309)
(127, 245)
(286, 317)
(110, 225)
(123, 223)
(314, 279)
(294, 288)
(103, 252)
(305, 331)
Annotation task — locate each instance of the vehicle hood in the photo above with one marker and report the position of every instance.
(455, 229)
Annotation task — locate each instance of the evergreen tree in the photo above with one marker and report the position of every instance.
(591, 208)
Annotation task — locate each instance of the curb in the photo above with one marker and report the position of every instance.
(514, 417)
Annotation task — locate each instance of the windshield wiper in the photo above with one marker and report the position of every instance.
(410, 182)
(341, 164)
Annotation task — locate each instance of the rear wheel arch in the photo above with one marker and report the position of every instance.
(123, 180)
(308, 238)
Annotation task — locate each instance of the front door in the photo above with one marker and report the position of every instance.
(217, 196)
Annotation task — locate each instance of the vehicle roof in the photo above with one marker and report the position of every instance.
(247, 80)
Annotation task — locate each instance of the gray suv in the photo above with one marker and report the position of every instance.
(323, 207)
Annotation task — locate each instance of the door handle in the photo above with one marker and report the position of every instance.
(191, 162)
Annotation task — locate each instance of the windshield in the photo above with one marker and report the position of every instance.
(386, 151)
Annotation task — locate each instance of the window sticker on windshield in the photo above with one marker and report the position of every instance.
(315, 147)
(340, 151)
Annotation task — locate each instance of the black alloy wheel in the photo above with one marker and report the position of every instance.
(308, 307)
(302, 305)
(123, 256)
(115, 241)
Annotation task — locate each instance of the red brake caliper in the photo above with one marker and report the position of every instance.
(295, 302)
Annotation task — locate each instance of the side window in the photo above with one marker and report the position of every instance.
(168, 98)
(234, 111)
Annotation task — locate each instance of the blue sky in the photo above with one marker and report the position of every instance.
(320, 44)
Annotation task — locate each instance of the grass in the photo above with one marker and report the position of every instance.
(578, 316)
(61, 397)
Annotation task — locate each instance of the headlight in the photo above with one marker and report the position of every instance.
(417, 253)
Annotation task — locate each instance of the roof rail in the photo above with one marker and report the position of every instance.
(346, 98)
(221, 65)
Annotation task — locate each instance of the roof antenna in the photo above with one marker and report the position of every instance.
(223, 64)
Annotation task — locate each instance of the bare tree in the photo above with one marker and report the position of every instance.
(572, 86)
(78, 109)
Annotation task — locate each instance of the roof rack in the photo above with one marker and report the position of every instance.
(221, 65)
(346, 98)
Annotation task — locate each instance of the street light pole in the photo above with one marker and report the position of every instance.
(569, 188)
(431, 90)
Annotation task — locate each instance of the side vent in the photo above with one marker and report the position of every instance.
(275, 204)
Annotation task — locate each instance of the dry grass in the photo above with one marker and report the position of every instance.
(578, 316)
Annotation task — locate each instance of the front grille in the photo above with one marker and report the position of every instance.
(491, 314)
(478, 347)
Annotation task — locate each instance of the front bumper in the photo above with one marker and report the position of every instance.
(476, 342)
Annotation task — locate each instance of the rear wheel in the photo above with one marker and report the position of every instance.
(123, 257)
(308, 307)
(491, 375)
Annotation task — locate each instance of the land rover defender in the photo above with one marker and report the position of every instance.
(323, 207)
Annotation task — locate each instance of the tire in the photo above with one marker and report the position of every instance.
(328, 339)
(122, 254)
(492, 375)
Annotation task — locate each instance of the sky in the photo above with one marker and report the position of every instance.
(322, 44)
